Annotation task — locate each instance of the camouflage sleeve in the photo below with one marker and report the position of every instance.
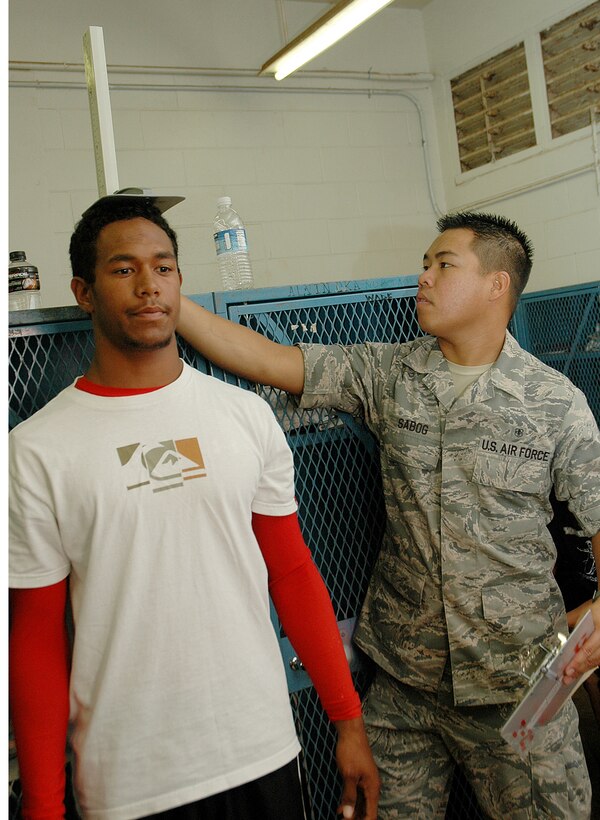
(349, 378)
(576, 465)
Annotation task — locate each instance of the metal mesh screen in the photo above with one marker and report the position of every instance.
(342, 523)
(338, 482)
(340, 499)
(342, 320)
(317, 736)
(42, 364)
(563, 331)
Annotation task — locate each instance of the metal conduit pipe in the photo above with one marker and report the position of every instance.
(206, 71)
(523, 189)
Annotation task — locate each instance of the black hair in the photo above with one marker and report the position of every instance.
(499, 244)
(82, 248)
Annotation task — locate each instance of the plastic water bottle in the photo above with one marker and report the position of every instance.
(23, 283)
(232, 247)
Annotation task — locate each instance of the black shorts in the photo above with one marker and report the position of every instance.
(280, 795)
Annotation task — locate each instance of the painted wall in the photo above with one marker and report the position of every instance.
(550, 190)
(328, 172)
(327, 169)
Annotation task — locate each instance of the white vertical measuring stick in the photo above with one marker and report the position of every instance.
(99, 98)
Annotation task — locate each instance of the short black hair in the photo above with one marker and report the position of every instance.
(103, 212)
(499, 243)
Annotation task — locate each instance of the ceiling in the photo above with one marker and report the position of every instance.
(405, 4)
(411, 4)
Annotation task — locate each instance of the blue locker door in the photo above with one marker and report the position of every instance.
(562, 328)
(338, 483)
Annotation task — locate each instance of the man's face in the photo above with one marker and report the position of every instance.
(134, 301)
(453, 294)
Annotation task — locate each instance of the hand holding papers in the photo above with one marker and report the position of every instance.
(546, 692)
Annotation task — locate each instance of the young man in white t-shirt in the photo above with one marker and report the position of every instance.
(164, 499)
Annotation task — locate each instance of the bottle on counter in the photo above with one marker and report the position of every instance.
(232, 247)
(23, 283)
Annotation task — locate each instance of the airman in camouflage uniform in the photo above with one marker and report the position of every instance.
(464, 579)
(473, 434)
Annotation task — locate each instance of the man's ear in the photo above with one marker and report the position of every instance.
(82, 291)
(500, 280)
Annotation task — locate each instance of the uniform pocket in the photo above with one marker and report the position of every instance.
(515, 475)
(519, 615)
(517, 607)
(512, 500)
(394, 573)
(416, 450)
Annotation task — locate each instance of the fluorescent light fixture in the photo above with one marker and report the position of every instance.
(327, 30)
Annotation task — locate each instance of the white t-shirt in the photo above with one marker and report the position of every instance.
(177, 688)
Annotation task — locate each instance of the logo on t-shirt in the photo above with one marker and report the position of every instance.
(161, 465)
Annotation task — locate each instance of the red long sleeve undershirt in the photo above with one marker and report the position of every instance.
(304, 608)
(39, 657)
(39, 696)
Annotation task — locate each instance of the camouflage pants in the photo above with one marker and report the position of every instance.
(418, 737)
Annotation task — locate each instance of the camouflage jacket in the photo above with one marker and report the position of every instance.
(466, 562)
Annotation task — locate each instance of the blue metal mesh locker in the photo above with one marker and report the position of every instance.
(338, 485)
(336, 459)
(562, 328)
(337, 466)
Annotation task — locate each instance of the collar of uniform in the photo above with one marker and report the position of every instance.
(424, 355)
(506, 373)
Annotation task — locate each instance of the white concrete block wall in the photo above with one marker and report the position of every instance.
(331, 185)
(322, 180)
(562, 217)
(327, 184)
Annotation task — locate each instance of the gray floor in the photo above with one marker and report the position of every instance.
(589, 726)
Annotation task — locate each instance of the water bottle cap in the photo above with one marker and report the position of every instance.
(16, 256)
(224, 200)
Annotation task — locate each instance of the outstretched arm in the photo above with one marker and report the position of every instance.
(39, 696)
(304, 607)
(240, 350)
